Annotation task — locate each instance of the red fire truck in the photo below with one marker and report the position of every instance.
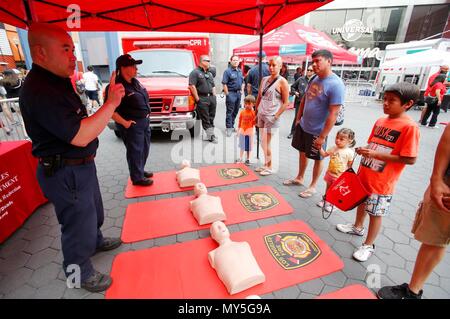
(164, 72)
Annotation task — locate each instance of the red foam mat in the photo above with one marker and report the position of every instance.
(166, 182)
(350, 292)
(182, 271)
(166, 217)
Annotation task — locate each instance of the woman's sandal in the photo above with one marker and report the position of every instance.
(307, 193)
(290, 182)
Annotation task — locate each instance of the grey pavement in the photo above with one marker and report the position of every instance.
(30, 260)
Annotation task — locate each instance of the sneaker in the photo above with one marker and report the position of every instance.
(97, 282)
(433, 126)
(290, 136)
(229, 131)
(350, 229)
(398, 292)
(247, 162)
(238, 160)
(364, 252)
(328, 208)
(109, 243)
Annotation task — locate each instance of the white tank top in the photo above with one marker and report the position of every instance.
(271, 100)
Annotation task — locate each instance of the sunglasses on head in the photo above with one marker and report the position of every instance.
(207, 60)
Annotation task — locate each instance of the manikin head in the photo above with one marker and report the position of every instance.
(200, 189)
(185, 163)
(219, 232)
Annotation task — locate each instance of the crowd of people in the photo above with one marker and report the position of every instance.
(64, 137)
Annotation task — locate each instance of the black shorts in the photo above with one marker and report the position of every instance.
(303, 142)
(92, 95)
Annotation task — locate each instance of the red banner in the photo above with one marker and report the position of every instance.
(20, 193)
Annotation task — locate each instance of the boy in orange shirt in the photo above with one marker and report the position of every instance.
(393, 143)
(247, 120)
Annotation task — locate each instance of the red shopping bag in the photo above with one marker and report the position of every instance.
(346, 192)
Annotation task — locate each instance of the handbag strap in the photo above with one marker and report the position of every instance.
(268, 87)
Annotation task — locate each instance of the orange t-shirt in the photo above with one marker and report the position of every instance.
(247, 119)
(394, 136)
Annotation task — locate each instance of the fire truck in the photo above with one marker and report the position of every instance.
(164, 72)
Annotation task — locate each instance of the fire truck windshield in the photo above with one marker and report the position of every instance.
(164, 63)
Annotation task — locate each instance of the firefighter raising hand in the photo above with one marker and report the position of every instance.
(115, 91)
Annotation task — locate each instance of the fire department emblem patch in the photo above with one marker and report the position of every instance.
(232, 173)
(292, 250)
(256, 201)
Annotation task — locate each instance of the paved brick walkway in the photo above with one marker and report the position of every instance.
(30, 260)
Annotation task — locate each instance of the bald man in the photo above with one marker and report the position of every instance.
(65, 141)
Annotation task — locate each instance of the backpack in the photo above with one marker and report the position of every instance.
(81, 88)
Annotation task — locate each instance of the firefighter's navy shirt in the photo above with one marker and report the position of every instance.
(52, 112)
(203, 81)
(135, 103)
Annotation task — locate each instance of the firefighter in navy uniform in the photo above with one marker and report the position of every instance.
(232, 87)
(132, 119)
(201, 84)
(64, 139)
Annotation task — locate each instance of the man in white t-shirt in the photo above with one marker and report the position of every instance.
(92, 85)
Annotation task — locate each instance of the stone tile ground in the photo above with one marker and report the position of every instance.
(30, 260)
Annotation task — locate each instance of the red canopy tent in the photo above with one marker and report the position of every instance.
(215, 16)
(294, 42)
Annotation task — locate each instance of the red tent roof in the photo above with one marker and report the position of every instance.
(216, 16)
(294, 42)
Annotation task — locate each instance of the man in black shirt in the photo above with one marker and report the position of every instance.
(65, 141)
(201, 84)
(132, 118)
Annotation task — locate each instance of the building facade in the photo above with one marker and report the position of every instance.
(367, 27)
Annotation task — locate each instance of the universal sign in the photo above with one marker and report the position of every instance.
(352, 30)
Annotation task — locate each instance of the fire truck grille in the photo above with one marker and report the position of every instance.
(156, 105)
(161, 105)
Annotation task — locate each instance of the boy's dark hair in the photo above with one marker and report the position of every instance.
(90, 68)
(405, 91)
(250, 99)
(323, 53)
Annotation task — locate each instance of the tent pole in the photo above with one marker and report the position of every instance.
(261, 32)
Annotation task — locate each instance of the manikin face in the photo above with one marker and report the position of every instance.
(219, 231)
(200, 189)
(185, 163)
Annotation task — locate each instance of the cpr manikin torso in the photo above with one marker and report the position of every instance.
(234, 261)
(187, 176)
(206, 208)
